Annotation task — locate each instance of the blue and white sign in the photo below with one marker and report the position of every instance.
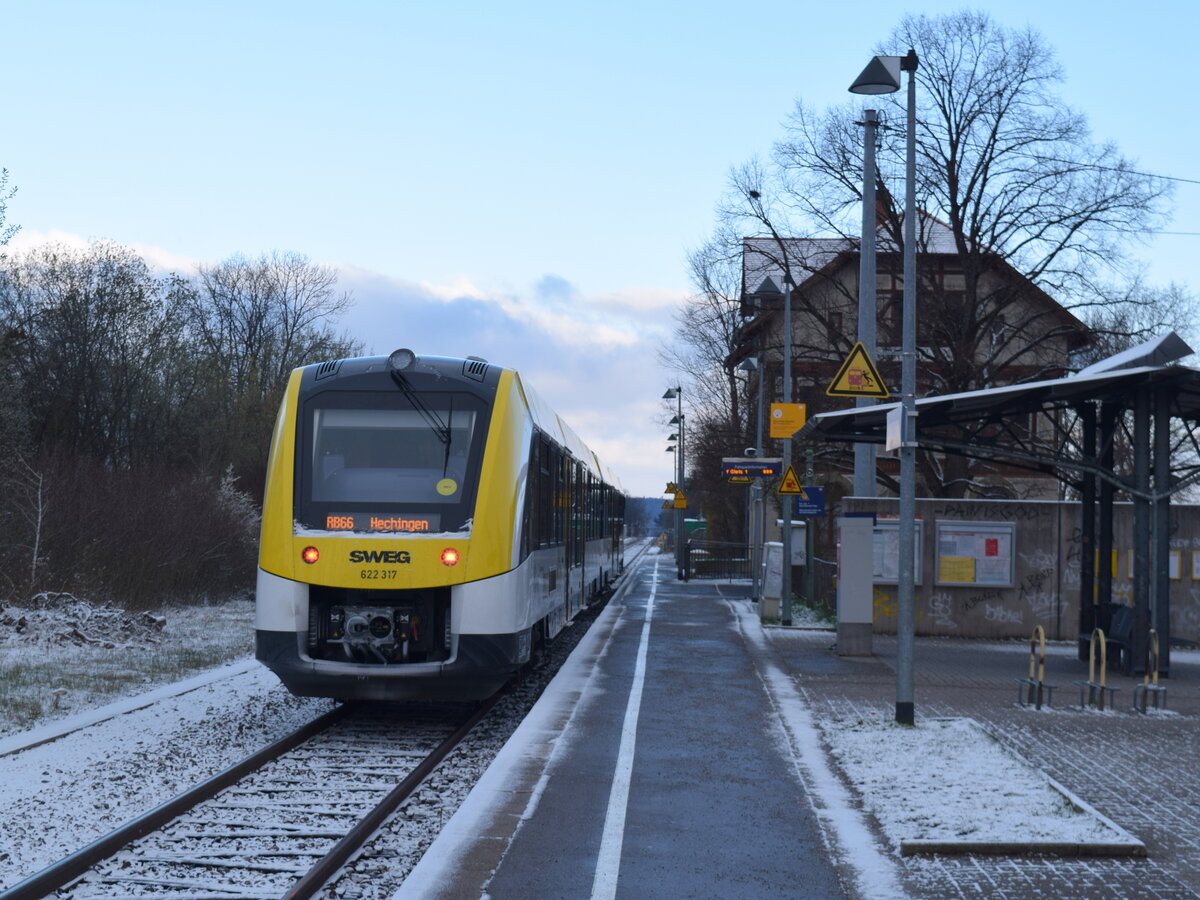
(809, 502)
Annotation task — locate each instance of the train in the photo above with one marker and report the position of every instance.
(429, 525)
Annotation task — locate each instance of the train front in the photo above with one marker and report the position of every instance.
(393, 494)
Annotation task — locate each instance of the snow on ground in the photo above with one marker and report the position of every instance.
(67, 791)
(60, 795)
(948, 780)
(60, 654)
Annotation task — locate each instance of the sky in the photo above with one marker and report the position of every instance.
(518, 181)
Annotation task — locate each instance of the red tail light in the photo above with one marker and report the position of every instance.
(449, 557)
(310, 555)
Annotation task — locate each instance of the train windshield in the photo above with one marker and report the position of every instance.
(398, 466)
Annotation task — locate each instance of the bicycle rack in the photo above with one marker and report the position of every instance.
(1031, 690)
(1092, 692)
(1150, 690)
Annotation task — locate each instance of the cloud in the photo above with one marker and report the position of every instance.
(593, 359)
(25, 240)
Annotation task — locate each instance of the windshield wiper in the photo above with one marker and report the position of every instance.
(432, 419)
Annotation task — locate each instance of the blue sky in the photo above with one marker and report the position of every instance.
(518, 181)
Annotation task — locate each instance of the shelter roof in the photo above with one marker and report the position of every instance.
(996, 404)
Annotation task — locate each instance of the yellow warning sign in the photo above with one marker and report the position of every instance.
(667, 505)
(740, 479)
(857, 377)
(670, 488)
(790, 483)
(680, 501)
(787, 419)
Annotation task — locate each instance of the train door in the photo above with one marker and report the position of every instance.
(575, 537)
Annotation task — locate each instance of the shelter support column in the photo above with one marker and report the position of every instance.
(1141, 528)
(1162, 528)
(1107, 438)
(1087, 533)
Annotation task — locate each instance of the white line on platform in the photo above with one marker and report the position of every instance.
(608, 863)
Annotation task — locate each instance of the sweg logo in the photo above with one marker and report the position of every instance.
(380, 556)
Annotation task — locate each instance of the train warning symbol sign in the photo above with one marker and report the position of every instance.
(680, 501)
(857, 377)
(790, 483)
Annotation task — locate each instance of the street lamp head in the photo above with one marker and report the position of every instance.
(749, 364)
(673, 437)
(670, 450)
(881, 76)
(676, 420)
(672, 393)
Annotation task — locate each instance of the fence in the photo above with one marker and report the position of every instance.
(718, 560)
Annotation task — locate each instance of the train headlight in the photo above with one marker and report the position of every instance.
(310, 555)
(401, 360)
(450, 557)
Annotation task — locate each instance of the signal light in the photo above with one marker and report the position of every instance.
(310, 555)
(401, 359)
(449, 557)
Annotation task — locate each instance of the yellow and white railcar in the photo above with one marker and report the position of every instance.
(427, 524)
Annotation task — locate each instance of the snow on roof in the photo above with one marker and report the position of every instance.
(762, 257)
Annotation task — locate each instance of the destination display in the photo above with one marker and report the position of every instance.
(384, 522)
(751, 467)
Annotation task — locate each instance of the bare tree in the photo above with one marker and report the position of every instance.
(261, 318)
(252, 322)
(88, 335)
(1035, 216)
(708, 328)
(1007, 167)
(6, 194)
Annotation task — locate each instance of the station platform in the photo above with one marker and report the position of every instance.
(678, 754)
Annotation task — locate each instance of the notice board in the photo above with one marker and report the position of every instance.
(886, 545)
(975, 553)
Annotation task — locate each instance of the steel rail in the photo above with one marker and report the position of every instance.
(61, 873)
(329, 865)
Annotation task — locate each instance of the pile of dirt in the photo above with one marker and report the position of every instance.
(61, 619)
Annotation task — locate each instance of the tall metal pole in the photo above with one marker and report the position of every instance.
(760, 507)
(905, 705)
(756, 523)
(864, 453)
(785, 501)
(681, 562)
(676, 394)
(810, 539)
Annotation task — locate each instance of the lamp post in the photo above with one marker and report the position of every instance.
(882, 76)
(864, 452)
(676, 394)
(768, 292)
(755, 524)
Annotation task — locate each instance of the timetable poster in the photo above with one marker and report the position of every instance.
(975, 554)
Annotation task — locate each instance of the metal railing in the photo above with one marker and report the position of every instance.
(717, 560)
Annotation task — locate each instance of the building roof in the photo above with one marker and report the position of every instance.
(811, 259)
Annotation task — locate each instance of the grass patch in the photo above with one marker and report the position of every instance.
(42, 680)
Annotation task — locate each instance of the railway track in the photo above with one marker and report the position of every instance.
(282, 822)
(278, 824)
